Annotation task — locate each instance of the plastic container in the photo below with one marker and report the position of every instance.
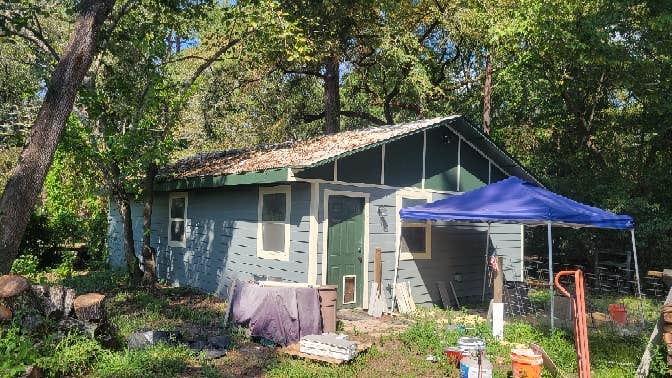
(470, 368)
(526, 363)
(471, 345)
(328, 296)
(454, 355)
(618, 313)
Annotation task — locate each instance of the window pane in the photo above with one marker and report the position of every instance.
(177, 230)
(413, 239)
(274, 207)
(177, 207)
(273, 236)
(407, 202)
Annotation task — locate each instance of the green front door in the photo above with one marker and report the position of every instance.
(345, 249)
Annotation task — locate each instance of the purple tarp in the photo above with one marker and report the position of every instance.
(280, 314)
(516, 201)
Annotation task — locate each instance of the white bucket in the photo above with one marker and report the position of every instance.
(469, 368)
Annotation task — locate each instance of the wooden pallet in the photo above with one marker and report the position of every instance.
(295, 350)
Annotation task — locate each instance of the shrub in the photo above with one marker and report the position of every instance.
(25, 265)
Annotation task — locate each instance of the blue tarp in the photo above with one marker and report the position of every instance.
(516, 201)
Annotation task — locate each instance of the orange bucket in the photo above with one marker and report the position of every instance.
(526, 363)
(618, 313)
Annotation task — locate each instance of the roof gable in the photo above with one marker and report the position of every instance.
(322, 150)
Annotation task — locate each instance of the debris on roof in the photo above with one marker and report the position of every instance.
(298, 154)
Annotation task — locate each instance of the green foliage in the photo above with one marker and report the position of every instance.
(25, 265)
(72, 356)
(17, 351)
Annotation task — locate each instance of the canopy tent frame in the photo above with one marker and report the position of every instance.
(585, 216)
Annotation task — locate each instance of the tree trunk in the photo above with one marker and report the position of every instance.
(25, 184)
(148, 253)
(90, 307)
(487, 90)
(332, 96)
(132, 262)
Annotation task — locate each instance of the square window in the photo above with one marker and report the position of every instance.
(413, 239)
(414, 235)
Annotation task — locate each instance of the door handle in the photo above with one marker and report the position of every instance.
(359, 254)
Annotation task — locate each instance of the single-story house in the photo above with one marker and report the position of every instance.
(315, 210)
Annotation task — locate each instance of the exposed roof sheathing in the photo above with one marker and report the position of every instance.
(298, 154)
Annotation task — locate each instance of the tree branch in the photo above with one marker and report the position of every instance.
(29, 35)
(207, 63)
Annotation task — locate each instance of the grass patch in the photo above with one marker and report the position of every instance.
(157, 361)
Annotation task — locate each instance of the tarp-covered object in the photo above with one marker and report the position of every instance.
(280, 314)
(516, 201)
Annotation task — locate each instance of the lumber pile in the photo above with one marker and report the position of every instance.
(329, 345)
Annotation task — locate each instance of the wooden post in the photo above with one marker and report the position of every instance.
(378, 267)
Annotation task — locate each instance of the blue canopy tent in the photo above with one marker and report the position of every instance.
(516, 201)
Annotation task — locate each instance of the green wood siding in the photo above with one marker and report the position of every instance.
(403, 161)
(361, 167)
(441, 160)
(321, 172)
(473, 169)
(497, 175)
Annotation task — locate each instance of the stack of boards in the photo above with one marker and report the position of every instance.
(329, 345)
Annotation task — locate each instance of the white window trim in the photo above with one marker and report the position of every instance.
(177, 243)
(427, 254)
(273, 255)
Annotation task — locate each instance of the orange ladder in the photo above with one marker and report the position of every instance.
(580, 326)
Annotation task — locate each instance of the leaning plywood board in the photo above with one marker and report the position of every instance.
(548, 363)
(294, 350)
(656, 335)
(443, 293)
(377, 303)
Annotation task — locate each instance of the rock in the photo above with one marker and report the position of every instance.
(141, 340)
(12, 285)
(32, 371)
(167, 337)
(197, 345)
(137, 340)
(90, 307)
(212, 353)
(219, 342)
(5, 314)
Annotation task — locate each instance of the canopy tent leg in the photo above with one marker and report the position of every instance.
(396, 273)
(550, 272)
(639, 287)
(485, 268)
